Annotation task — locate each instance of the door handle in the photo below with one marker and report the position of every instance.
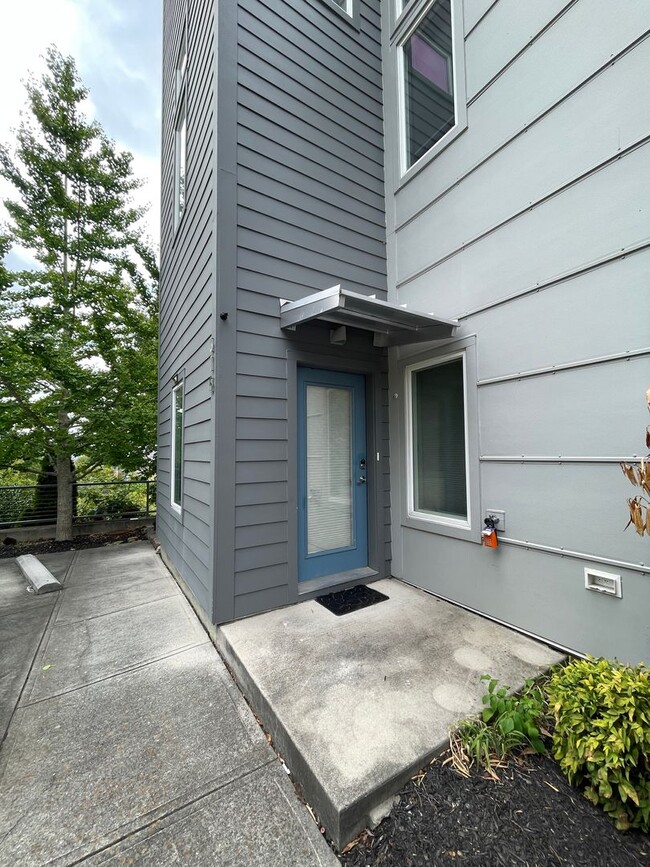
(361, 480)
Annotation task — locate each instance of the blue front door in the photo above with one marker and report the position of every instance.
(332, 473)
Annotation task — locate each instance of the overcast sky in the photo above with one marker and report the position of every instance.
(117, 47)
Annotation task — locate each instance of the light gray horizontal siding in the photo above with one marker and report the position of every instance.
(536, 165)
(187, 276)
(580, 330)
(506, 32)
(529, 92)
(519, 228)
(538, 592)
(555, 415)
(553, 504)
(564, 232)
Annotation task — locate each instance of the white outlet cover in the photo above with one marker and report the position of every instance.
(603, 582)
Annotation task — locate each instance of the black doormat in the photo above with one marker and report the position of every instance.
(352, 599)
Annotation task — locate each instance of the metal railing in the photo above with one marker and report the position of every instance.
(120, 500)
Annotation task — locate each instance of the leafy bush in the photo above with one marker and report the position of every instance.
(106, 500)
(14, 505)
(112, 501)
(507, 722)
(602, 735)
(14, 501)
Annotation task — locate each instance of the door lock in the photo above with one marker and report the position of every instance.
(362, 480)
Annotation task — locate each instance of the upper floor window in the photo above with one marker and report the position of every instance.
(345, 5)
(180, 128)
(181, 64)
(347, 9)
(429, 44)
(428, 82)
(180, 150)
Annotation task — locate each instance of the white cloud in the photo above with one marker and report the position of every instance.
(28, 28)
(89, 32)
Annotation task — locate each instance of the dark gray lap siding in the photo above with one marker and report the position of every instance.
(186, 285)
(310, 215)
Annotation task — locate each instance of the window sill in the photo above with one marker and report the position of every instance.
(431, 154)
(441, 527)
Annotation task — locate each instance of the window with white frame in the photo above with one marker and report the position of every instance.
(346, 6)
(180, 129)
(437, 442)
(432, 89)
(180, 149)
(177, 448)
(181, 64)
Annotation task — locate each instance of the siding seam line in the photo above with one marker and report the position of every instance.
(560, 278)
(570, 365)
(351, 261)
(576, 555)
(640, 143)
(558, 459)
(366, 204)
(522, 51)
(479, 20)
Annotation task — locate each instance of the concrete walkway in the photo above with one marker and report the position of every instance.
(130, 743)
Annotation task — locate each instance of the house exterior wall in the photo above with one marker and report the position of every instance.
(285, 194)
(528, 224)
(310, 214)
(187, 278)
(531, 228)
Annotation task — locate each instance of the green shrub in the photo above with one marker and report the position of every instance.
(112, 501)
(602, 735)
(507, 722)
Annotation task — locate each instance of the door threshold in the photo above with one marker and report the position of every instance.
(351, 576)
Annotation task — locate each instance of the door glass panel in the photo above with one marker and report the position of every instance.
(329, 468)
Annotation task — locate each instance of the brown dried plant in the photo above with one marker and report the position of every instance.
(639, 476)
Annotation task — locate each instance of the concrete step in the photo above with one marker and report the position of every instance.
(356, 704)
(38, 576)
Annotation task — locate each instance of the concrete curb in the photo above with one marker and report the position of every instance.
(38, 576)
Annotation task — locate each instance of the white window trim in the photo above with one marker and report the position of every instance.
(176, 507)
(414, 358)
(180, 122)
(181, 63)
(406, 172)
(180, 146)
(412, 512)
(349, 11)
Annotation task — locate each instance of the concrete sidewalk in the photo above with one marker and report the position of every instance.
(130, 743)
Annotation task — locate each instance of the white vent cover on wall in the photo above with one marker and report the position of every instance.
(603, 582)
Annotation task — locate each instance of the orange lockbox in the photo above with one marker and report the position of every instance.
(489, 538)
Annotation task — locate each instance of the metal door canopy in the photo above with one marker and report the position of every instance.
(392, 324)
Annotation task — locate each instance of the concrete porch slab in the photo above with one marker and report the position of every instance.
(356, 704)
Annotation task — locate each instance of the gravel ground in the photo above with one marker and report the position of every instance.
(531, 817)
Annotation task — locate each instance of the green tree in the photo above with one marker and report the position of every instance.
(78, 332)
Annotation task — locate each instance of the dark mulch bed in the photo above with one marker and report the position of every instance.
(49, 546)
(530, 817)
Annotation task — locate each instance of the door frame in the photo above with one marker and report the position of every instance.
(376, 374)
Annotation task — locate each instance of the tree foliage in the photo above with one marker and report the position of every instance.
(78, 332)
